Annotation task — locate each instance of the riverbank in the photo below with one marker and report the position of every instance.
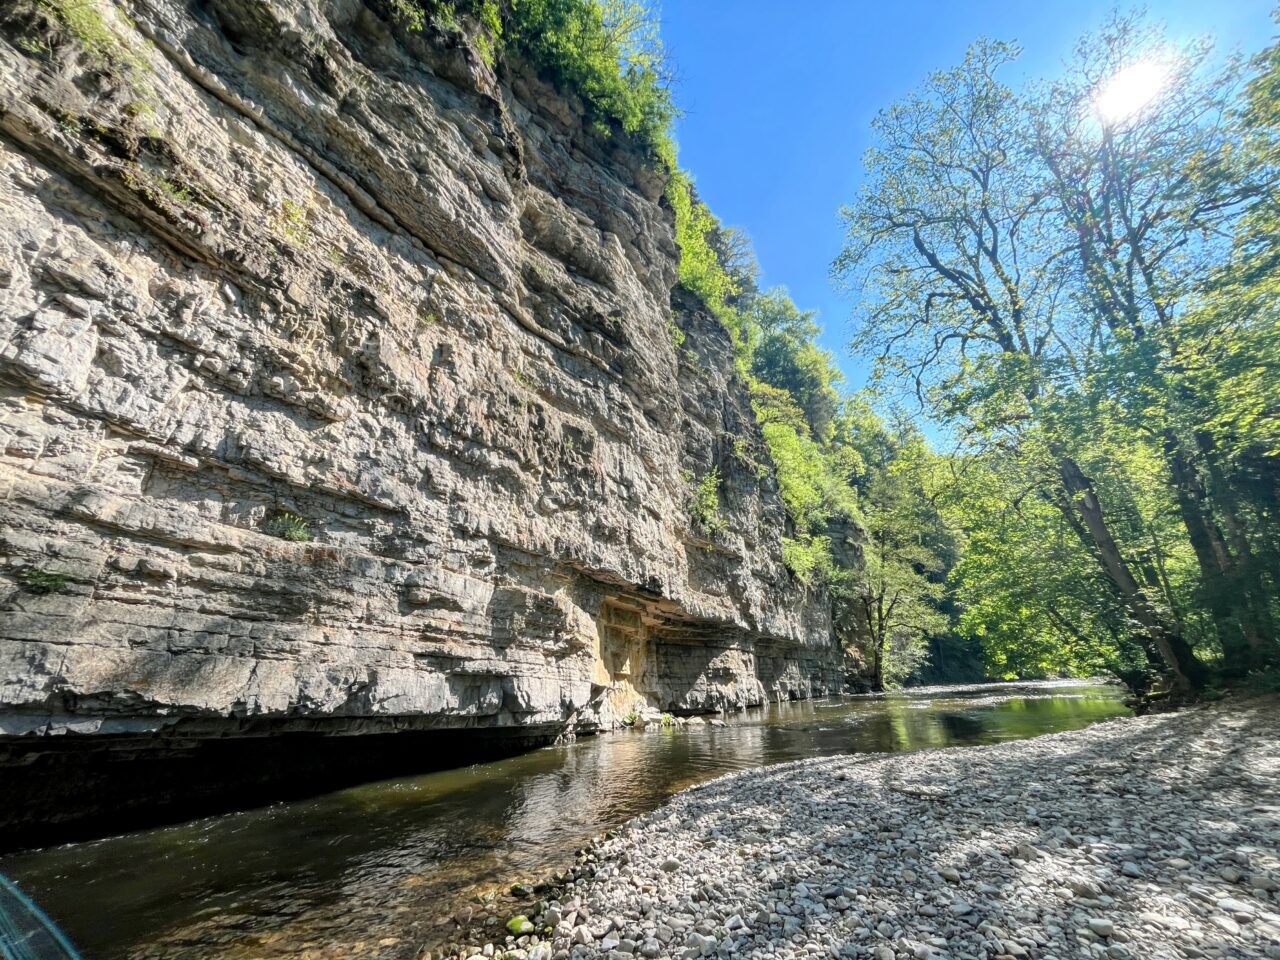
(1147, 838)
(384, 870)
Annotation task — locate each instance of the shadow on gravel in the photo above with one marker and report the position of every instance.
(1119, 845)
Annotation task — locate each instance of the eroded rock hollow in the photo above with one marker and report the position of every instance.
(339, 395)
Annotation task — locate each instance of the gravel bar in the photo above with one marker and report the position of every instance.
(1138, 838)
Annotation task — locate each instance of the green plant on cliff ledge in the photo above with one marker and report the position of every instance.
(677, 335)
(84, 20)
(704, 503)
(295, 222)
(809, 559)
(42, 581)
(287, 526)
(175, 192)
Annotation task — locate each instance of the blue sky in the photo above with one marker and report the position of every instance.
(779, 98)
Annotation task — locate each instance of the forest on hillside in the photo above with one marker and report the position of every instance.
(1073, 279)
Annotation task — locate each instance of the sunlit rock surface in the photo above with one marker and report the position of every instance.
(280, 268)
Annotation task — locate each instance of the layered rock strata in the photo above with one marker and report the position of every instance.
(339, 394)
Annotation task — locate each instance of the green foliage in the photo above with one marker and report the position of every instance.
(608, 52)
(99, 35)
(42, 581)
(704, 503)
(490, 34)
(814, 480)
(792, 382)
(785, 355)
(295, 222)
(408, 13)
(1026, 587)
(809, 559)
(894, 604)
(1090, 305)
(176, 193)
(677, 335)
(85, 21)
(287, 526)
(700, 269)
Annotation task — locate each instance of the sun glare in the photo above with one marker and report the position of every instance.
(1130, 90)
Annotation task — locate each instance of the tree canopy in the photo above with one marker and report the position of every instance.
(1086, 299)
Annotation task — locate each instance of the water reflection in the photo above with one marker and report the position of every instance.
(376, 870)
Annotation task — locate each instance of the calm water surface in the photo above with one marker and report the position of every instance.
(377, 870)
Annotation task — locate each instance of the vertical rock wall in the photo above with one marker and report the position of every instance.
(338, 392)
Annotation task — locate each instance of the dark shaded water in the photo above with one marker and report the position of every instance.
(377, 870)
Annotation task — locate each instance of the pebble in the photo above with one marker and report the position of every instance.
(1102, 926)
(1227, 924)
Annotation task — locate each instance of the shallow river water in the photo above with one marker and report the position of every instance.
(378, 870)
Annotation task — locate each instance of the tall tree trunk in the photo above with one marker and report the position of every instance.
(1244, 639)
(877, 665)
(1083, 509)
(1250, 573)
(875, 640)
(1225, 574)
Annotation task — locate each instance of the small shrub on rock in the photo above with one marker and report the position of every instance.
(287, 526)
(42, 581)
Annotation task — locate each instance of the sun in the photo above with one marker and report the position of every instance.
(1130, 90)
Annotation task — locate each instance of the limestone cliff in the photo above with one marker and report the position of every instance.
(338, 393)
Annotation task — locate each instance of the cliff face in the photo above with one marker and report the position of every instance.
(274, 269)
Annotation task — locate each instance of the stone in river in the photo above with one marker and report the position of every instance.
(520, 926)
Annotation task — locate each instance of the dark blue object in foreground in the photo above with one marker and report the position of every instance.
(25, 932)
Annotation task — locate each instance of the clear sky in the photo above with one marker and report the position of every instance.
(779, 98)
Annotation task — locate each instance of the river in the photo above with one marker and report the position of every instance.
(379, 870)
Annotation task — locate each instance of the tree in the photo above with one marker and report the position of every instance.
(1148, 196)
(957, 247)
(1025, 585)
(892, 601)
(784, 355)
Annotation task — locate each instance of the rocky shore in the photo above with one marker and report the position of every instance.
(1149, 838)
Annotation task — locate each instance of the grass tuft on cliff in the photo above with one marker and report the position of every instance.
(99, 30)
